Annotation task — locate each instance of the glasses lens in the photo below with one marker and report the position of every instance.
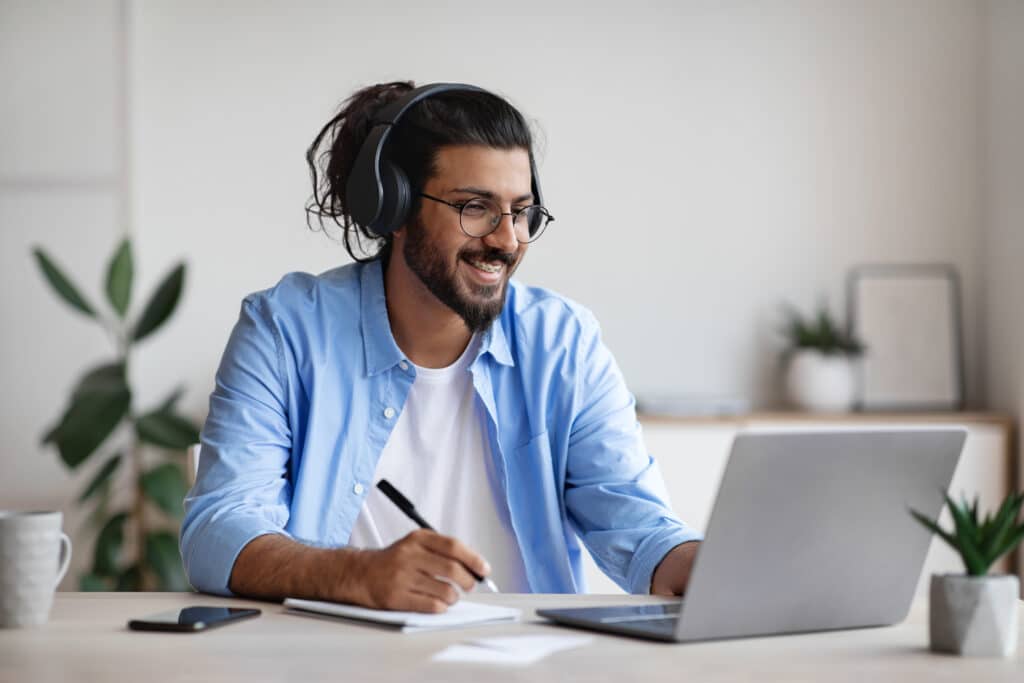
(479, 217)
(532, 220)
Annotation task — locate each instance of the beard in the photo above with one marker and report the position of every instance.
(477, 305)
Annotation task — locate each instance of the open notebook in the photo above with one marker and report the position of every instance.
(462, 613)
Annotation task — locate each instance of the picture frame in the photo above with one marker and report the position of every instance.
(908, 316)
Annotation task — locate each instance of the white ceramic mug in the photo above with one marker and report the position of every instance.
(34, 556)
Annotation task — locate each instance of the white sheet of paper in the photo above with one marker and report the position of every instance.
(510, 650)
(462, 613)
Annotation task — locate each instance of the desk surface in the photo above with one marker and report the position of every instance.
(86, 640)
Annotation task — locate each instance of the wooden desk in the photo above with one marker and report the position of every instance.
(86, 640)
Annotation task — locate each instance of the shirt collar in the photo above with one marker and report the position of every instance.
(379, 347)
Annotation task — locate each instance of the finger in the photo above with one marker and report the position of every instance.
(458, 589)
(435, 588)
(445, 568)
(422, 602)
(453, 548)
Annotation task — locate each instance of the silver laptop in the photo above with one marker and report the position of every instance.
(809, 532)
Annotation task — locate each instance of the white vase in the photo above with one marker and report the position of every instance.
(821, 382)
(974, 615)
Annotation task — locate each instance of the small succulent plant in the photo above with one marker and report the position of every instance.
(980, 542)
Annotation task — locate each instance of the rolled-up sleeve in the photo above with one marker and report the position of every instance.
(614, 492)
(242, 489)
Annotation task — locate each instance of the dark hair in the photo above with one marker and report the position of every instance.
(455, 117)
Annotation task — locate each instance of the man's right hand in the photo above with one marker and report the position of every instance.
(417, 573)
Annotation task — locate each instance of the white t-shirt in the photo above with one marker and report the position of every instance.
(439, 456)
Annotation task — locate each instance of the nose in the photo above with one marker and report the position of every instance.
(504, 236)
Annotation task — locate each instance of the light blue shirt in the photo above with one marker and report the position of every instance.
(312, 382)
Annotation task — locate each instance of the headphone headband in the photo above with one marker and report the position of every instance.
(378, 194)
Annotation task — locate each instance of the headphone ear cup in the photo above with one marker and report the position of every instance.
(397, 200)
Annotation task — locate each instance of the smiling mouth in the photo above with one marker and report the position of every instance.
(486, 266)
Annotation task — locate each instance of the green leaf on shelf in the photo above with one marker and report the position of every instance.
(119, 278)
(166, 429)
(162, 304)
(61, 284)
(98, 404)
(90, 582)
(101, 479)
(163, 557)
(107, 556)
(165, 485)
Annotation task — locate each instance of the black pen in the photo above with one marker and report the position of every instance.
(403, 503)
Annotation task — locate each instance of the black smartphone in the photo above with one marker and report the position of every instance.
(191, 619)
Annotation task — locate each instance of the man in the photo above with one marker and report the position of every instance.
(493, 406)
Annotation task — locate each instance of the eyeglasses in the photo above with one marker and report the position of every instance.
(480, 217)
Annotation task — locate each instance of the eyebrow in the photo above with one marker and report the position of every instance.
(490, 195)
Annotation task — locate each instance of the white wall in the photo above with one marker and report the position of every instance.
(706, 161)
(1004, 252)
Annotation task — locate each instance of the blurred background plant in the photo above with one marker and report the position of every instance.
(137, 492)
(819, 332)
(819, 361)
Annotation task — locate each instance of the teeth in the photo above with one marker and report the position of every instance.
(487, 267)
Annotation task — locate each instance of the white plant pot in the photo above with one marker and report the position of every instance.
(975, 616)
(821, 383)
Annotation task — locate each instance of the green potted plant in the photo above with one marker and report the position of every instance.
(137, 492)
(819, 361)
(976, 613)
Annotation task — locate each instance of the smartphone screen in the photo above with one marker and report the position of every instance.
(195, 618)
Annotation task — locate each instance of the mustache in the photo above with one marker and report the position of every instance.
(490, 255)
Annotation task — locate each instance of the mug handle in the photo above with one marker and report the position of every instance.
(65, 558)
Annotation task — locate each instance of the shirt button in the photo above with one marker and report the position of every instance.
(403, 365)
(389, 412)
(357, 489)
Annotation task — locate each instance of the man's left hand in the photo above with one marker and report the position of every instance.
(673, 572)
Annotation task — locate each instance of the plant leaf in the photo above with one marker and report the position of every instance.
(1015, 538)
(163, 557)
(107, 377)
(166, 429)
(1002, 526)
(102, 478)
(162, 303)
(93, 582)
(967, 537)
(119, 278)
(166, 486)
(942, 533)
(130, 579)
(108, 546)
(98, 404)
(172, 400)
(61, 284)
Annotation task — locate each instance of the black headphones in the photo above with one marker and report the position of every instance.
(378, 194)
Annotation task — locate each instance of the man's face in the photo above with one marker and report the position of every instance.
(469, 274)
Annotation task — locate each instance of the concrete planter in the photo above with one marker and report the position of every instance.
(821, 383)
(975, 616)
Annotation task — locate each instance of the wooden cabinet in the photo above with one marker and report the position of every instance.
(692, 454)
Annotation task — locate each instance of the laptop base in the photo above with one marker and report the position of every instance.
(650, 622)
